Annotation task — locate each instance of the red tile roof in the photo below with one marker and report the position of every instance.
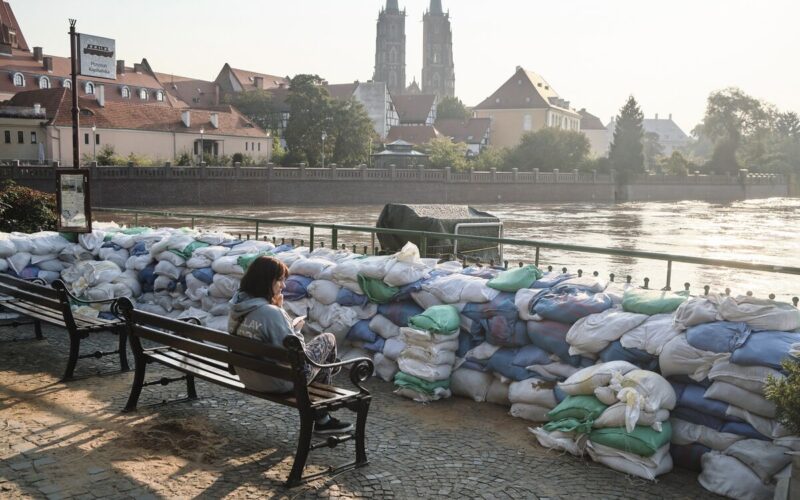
(470, 131)
(342, 91)
(8, 18)
(524, 90)
(589, 121)
(247, 79)
(136, 115)
(414, 134)
(189, 92)
(414, 109)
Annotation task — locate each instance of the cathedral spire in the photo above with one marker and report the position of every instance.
(436, 7)
(391, 6)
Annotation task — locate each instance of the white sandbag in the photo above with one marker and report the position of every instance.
(678, 357)
(123, 240)
(593, 333)
(163, 284)
(729, 477)
(289, 258)
(684, 433)
(423, 370)
(47, 276)
(384, 327)
(750, 401)
(194, 313)
(523, 299)
(214, 238)
(760, 314)
(648, 468)
(92, 241)
(750, 378)
(217, 322)
(614, 416)
(409, 253)
(228, 265)
(310, 267)
(178, 240)
(215, 306)
(563, 441)
(374, 267)
(19, 261)
(498, 393)
(652, 335)
(530, 392)
(353, 286)
(212, 252)
(607, 394)
(54, 265)
(766, 426)
(3, 265)
(585, 381)
(385, 368)
(224, 286)
(393, 348)
(419, 397)
(151, 308)
(297, 307)
(103, 291)
(323, 291)
(38, 259)
(7, 247)
(477, 291)
(555, 370)
(762, 457)
(96, 272)
(533, 413)
(73, 253)
(130, 280)
(171, 257)
(165, 268)
(425, 299)
(403, 273)
(449, 289)
(433, 354)
(656, 391)
(198, 262)
(696, 311)
(591, 284)
(470, 384)
(41, 243)
(482, 351)
(412, 336)
(118, 257)
(138, 262)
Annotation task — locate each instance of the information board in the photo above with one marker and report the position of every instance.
(73, 200)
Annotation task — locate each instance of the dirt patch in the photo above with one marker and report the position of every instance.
(193, 440)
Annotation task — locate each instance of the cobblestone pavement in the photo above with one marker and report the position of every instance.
(71, 441)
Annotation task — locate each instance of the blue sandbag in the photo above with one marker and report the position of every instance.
(477, 332)
(376, 346)
(139, 249)
(719, 336)
(502, 362)
(688, 456)
(400, 312)
(360, 332)
(111, 245)
(502, 305)
(504, 332)
(765, 349)
(147, 277)
(570, 304)
(687, 380)
(466, 343)
(29, 272)
(551, 279)
(231, 244)
(349, 298)
(296, 287)
(406, 291)
(531, 355)
(482, 272)
(693, 396)
(286, 247)
(206, 275)
(638, 357)
(559, 394)
(743, 429)
(472, 364)
(552, 337)
(696, 417)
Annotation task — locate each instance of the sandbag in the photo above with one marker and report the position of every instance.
(164, 268)
(434, 354)
(766, 348)
(423, 370)
(629, 463)
(656, 391)
(750, 401)
(534, 413)
(762, 457)
(696, 311)
(684, 433)
(385, 368)
(680, 358)
(593, 333)
(581, 408)
(760, 314)
(515, 279)
(393, 348)
(750, 378)
(552, 337)
(19, 261)
(530, 392)
(720, 336)
(431, 387)
(471, 384)
(614, 416)
(423, 338)
(585, 381)
(498, 393)
(569, 305)
(558, 440)
(643, 441)
(729, 477)
(651, 302)
(399, 312)
(171, 257)
(442, 319)
(587, 283)
(402, 273)
(228, 265)
(652, 335)
(323, 291)
(383, 327)
(755, 426)
(523, 299)
(7, 247)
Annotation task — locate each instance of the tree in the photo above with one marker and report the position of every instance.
(278, 153)
(788, 125)
(652, 149)
(443, 153)
(550, 148)
(258, 106)
(26, 210)
(675, 164)
(491, 158)
(352, 133)
(310, 116)
(627, 152)
(451, 108)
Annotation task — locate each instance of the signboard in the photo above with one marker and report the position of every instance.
(73, 200)
(97, 56)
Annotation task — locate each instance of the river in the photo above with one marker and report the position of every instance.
(762, 231)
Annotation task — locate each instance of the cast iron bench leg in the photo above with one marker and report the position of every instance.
(123, 350)
(303, 447)
(361, 426)
(136, 388)
(37, 328)
(191, 392)
(74, 350)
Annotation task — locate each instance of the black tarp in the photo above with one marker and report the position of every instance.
(437, 219)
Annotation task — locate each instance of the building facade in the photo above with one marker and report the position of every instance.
(390, 48)
(438, 69)
(596, 132)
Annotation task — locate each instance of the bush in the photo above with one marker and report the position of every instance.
(184, 160)
(26, 210)
(785, 393)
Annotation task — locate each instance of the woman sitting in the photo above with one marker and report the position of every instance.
(257, 313)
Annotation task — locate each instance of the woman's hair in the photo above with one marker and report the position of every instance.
(260, 277)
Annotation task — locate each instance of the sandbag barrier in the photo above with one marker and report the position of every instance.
(637, 379)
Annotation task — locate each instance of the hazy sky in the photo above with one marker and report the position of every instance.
(669, 55)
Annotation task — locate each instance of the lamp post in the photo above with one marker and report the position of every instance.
(324, 136)
(202, 131)
(94, 143)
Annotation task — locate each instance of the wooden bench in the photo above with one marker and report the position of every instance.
(43, 304)
(207, 354)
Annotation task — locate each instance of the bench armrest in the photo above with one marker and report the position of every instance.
(114, 308)
(361, 369)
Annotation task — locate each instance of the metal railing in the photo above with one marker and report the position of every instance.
(425, 236)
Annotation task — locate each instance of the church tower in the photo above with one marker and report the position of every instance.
(438, 71)
(390, 48)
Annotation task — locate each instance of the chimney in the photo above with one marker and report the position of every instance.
(48, 63)
(258, 81)
(120, 66)
(101, 95)
(519, 68)
(37, 109)
(656, 116)
(38, 53)
(137, 67)
(186, 118)
(215, 120)
(670, 117)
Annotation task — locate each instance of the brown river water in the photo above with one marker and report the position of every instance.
(762, 231)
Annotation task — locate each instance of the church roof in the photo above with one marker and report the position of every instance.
(524, 90)
(414, 108)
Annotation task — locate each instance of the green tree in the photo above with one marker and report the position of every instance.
(675, 164)
(26, 210)
(627, 152)
(451, 108)
(788, 125)
(310, 116)
(652, 149)
(443, 153)
(259, 106)
(278, 153)
(550, 148)
(352, 133)
(491, 158)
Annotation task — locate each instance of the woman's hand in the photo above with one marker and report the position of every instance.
(278, 300)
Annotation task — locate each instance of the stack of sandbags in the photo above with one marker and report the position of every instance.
(32, 255)
(531, 399)
(426, 362)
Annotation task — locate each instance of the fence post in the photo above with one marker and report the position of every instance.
(536, 175)
(363, 170)
(575, 175)
(303, 172)
(594, 176)
(393, 171)
(311, 237)
(333, 172)
(447, 172)
(515, 173)
(471, 174)
(493, 170)
(334, 237)
(423, 245)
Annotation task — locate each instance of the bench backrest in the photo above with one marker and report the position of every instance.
(281, 363)
(29, 292)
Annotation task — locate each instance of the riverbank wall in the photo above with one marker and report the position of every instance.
(263, 186)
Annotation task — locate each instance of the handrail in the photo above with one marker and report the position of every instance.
(428, 235)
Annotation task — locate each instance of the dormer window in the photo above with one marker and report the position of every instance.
(66, 83)
(143, 94)
(159, 96)
(89, 88)
(126, 93)
(19, 80)
(44, 82)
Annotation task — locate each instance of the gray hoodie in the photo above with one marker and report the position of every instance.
(255, 318)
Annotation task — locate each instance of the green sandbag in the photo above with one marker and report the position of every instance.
(189, 249)
(411, 382)
(515, 279)
(650, 302)
(643, 441)
(582, 408)
(130, 231)
(570, 425)
(376, 290)
(245, 260)
(442, 319)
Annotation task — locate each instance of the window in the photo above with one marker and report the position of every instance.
(21, 137)
(86, 139)
(159, 96)
(527, 123)
(97, 139)
(8, 137)
(259, 146)
(89, 88)
(44, 82)
(67, 84)
(33, 138)
(19, 80)
(143, 94)
(246, 145)
(126, 93)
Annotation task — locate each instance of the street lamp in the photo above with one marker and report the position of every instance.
(324, 136)
(202, 131)
(94, 143)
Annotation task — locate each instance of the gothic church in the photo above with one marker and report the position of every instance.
(438, 73)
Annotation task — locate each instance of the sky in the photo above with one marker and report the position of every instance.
(669, 55)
